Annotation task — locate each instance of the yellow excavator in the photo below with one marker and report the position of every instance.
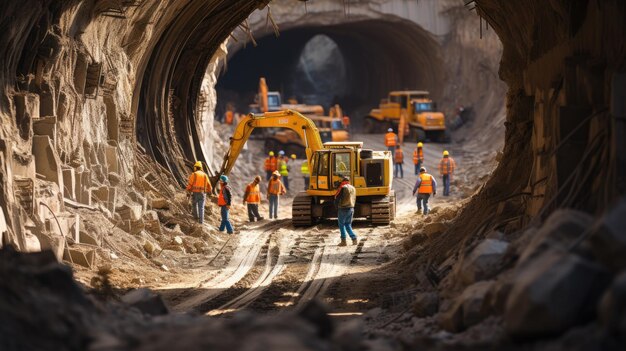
(370, 171)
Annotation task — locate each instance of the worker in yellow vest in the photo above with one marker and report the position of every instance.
(198, 185)
(418, 157)
(391, 140)
(398, 160)
(424, 187)
(283, 169)
(275, 189)
(252, 197)
(304, 169)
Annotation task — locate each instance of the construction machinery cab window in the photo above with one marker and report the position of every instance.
(322, 165)
(273, 100)
(396, 99)
(423, 106)
(337, 125)
(341, 164)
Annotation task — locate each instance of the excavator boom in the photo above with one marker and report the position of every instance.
(289, 119)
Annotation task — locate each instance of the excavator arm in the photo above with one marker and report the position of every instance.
(289, 119)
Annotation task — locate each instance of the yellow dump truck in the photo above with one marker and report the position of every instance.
(417, 110)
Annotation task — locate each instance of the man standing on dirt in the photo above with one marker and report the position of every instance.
(391, 140)
(275, 188)
(224, 201)
(271, 165)
(345, 199)
(424, 186)
(446, 169)
(398, 160)
(418, 157)
(198, 185)
(252, 196)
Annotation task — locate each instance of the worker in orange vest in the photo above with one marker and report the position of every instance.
(275, 188)
(424, 187)
(398, 160)
(198, 186)
(252, 197)
(391, 140)
(229, 117)
(271, 164)
(418, 157)
(345, 120)
(223, 201)
(446, 169)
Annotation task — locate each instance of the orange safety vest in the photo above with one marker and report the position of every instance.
(418, 156)
(346, 120)
(221, 201)
(270, 164)
(275, 187)
(199, 182)
(390, 139)
(446, 166)
(398, 156)
(426, 186)
(254, 194)
(229, 117)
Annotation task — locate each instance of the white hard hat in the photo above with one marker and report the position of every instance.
(390, 130)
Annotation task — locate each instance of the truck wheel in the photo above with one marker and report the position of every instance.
(420, 135)
(446, 136)
(370, 125)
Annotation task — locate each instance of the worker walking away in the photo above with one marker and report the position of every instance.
(304, 169)
(223, 201)
(345, 120)
(391, 140)
(345, 199)
(398, 160)
(198, 186)
(270, 165)
(229, 116)
(252, 197)
(446, 169)
(424, 187)
(418, 157)
(275, 189)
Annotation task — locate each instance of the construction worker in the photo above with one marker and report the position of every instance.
(424, 186)
(418, 157)
(345, 120)
(345, 199)
(271, 164)
(275, 188)
(224, 201)
(198, 186)
(398, 160)
(304, 169)
(446, 169)
(230, 114)
(252, 197)
(283, 169)
(391, 140)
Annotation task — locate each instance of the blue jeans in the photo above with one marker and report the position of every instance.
(446, 184)
(197, 206)
(398, 169)
(417, 168)
(286, 181)
(273, 199)
(306, 182)
(344, 217)
(225, 224)
(422, 200)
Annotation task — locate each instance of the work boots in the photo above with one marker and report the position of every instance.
(343, 243)
(354, 241)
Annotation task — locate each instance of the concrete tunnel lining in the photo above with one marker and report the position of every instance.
(380, 55)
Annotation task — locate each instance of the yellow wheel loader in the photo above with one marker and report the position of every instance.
(370, 171)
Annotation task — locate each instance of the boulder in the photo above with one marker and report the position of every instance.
(130, 212)
(612, 308)
(608, 238)
(552, 293)
(468, 309)
(484, 262)
(560, 230)
(146, 301)
(435, 228)
(426, 304)
(159, 203)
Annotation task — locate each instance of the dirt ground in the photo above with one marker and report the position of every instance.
(270, 266)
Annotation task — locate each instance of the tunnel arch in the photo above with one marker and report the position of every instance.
(380, 55)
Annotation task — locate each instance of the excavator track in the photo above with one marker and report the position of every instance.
(383, 210)
(301, 210)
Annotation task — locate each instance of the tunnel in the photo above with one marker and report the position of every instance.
(374, 57)
(100, 129)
